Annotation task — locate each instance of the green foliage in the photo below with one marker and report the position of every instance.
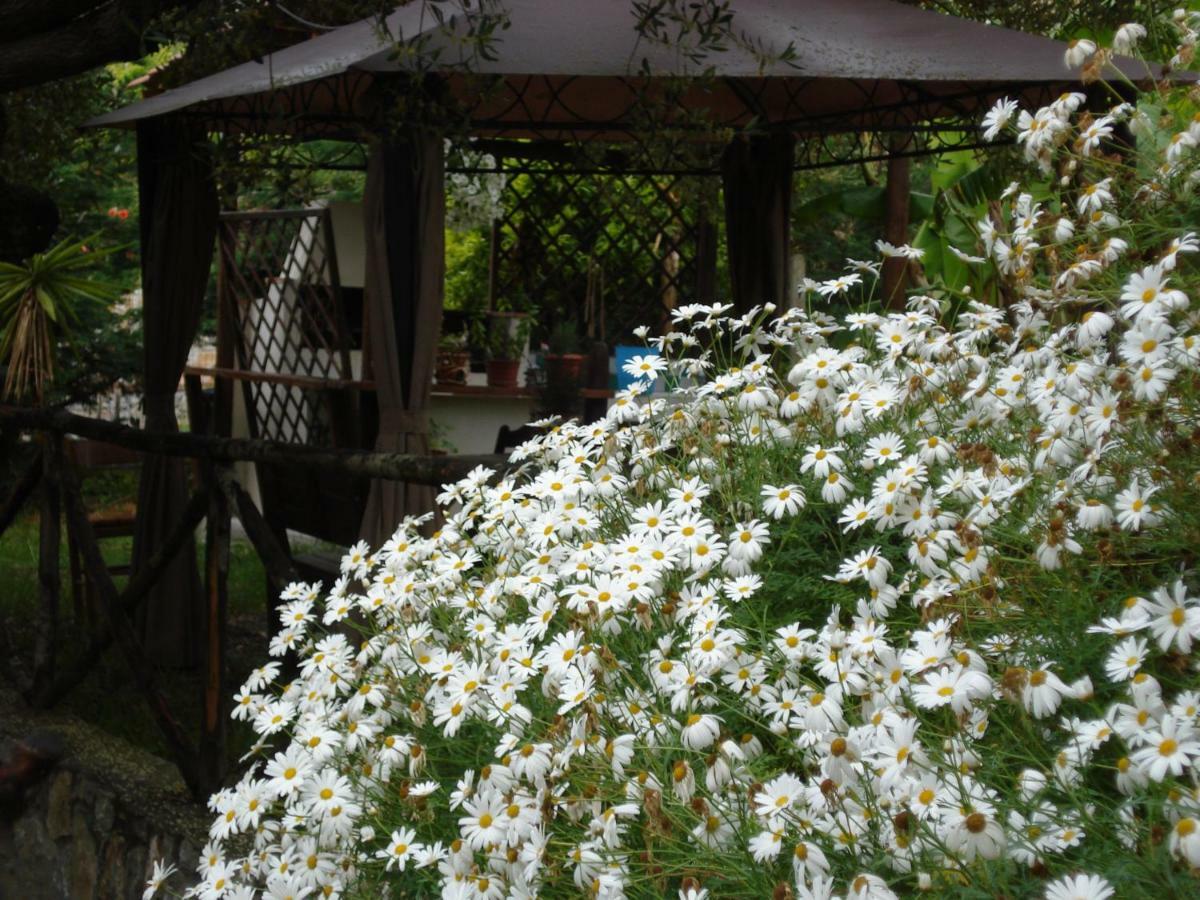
(699, 32)
(264, 173)
(466, 269)
(502, 337)
(41, 302)
(564, 338)
(828, 221)
(965, 183)
(865, 204)
(1067, 19)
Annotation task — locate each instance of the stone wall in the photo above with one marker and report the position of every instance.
(91, 827)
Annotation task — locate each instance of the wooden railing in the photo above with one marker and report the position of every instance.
(217, 499)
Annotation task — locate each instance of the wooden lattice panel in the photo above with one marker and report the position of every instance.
(283, 300)
(641, 231)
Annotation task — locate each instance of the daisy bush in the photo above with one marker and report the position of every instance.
(852, 605)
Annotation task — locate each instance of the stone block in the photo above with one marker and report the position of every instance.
(102, 815)
(29, 865)
(84, 869)
(137, 866)
(58, 806)
(111, 885)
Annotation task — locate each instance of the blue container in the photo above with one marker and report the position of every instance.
(626, 352)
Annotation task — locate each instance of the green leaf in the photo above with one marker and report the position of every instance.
(864, 199)
(983, 183)
(951, 168)
(57, 280)
(47, 303)
(959, 233)
(920, 206)
(863, 202)
(939, 262)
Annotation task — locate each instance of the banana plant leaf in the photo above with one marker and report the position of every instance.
(866, 203)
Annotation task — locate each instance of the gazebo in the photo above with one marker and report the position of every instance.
(559, 75)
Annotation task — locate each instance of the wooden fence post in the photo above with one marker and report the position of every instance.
(216, 593)
(30, 478)
(122, 630)
(49, 579)
(26, 485)
(202, 767)
(135, 591)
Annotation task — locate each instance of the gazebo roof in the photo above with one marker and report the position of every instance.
(577, 68)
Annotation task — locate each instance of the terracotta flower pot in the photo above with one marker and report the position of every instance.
(564, 367)
(502, 373)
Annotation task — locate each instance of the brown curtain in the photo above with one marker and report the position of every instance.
(756, 173)
(404, 206)
(178, 221)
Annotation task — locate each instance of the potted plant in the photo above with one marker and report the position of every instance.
(564, 362)
(439, 439)
(505, 347)
(453, 359)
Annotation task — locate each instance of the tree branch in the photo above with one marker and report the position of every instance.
(67, 37)
(22, 18)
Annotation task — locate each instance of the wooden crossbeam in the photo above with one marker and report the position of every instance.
(431, 470)
(276, 560)
(287, 379)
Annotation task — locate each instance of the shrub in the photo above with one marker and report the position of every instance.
(893, 602)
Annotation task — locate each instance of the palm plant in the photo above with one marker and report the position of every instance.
(39, 304)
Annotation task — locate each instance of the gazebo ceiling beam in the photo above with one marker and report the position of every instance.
(874, 106)
(813, 151)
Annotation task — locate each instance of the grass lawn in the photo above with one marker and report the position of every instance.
(108, 698)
